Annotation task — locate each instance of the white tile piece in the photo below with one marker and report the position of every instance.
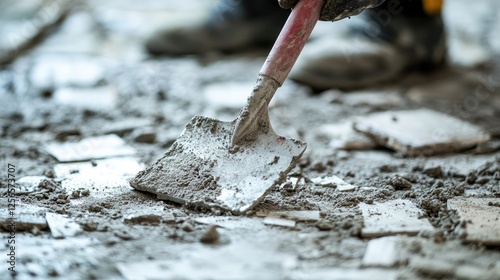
(29, 184)
(381, 252)
(460, 164)
(334, 181)
(120, 167)
(61, 226)
(306, 216)
(90, 148)
(53, 70)
(273, 221)
(482, 218)
(26, 217)
(393, 217)
(421, 131)
(95, 98)
(342, 135)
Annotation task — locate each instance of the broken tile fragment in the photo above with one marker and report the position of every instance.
(119, 167)
(61, 226)
(458, 165)
(94, 188)
(29, 184)
(168, 218)
(56, 71)
(97, 147)
(421, 132)
(292, 184)
(381, 252)
(306, 216)
(393, 217)
(273, 221)
(96, 98)
(26, 217)
(342, 135)
(335, 182)
(146, 215)
(481, 217)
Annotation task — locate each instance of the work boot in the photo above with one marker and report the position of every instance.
(378, 48)
(233, 25)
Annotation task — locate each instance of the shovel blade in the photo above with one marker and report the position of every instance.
(200, 169)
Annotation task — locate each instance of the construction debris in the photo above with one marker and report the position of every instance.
(306, 216)
(479, 217)
(393, 217)
(61, 226)
(334, 182)
(27, 218)
(273, 221)
(97, 147)
(95, 99)
(381, 252)
(118, 167)
(421, 132)
(342, 135)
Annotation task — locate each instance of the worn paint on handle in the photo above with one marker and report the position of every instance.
(292, 39)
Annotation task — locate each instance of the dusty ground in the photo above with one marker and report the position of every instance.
(147, 101)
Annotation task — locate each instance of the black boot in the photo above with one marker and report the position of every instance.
(383, 43)
(232, 25)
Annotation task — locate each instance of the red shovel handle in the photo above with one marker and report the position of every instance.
(292, 39)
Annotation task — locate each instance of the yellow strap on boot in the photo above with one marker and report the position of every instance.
(432, 7)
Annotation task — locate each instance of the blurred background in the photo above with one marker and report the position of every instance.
(80, 68)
